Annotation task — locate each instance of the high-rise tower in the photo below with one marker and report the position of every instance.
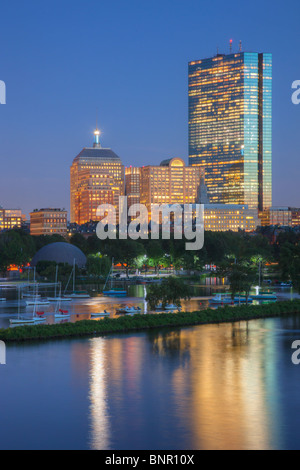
(97, 177)
(230, 126)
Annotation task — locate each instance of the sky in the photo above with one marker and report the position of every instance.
(66, 62)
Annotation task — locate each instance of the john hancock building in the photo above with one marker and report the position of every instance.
(230, 127)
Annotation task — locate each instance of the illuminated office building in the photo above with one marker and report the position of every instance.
(10, 218)
(172, 182)
(48, 222)
(230, 217)
(230, 127)
(97, 177)
(132, 185)
(282, 216)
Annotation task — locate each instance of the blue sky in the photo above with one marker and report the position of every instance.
(64, 60)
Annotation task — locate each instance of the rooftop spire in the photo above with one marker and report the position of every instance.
(97, 133)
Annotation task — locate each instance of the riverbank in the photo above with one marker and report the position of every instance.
(149, 321)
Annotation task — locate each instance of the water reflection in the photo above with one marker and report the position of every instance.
(228, 386)
(98, 395)
(209, 387)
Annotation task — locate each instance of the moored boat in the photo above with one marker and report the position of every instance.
(101, 314)
(221, 299)
(62, 314)
(128, 309)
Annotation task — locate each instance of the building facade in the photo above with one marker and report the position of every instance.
(133, 185)
(10, 218)
(230, 217)
(48, 222)
(230, 127)
(97, 177)
(282, 216)
(172, 182)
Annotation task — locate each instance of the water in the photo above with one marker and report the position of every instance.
(228, 386)
(82, 309)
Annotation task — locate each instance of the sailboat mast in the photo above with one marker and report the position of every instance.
(56, 277)
(112, 273)
(74, 268)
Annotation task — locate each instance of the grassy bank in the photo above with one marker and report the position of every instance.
(144, 322)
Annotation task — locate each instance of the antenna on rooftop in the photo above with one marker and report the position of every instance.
(230, 45)
(240, 48)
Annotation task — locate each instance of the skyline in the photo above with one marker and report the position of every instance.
(57, 80)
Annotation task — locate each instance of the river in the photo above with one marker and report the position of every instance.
(228, 386)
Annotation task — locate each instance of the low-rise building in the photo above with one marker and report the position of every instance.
(282, 216)
(48, 222)
(10, 218)
(230, 217)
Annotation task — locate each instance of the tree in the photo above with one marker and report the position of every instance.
(14, 249)
(241, 276)
(98, 265)
(78, 240)
(126, 252)
(170, 291)
(155, 254)
(289, 263)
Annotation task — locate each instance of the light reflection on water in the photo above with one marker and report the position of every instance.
(205, 388)
(82, 309)
(228, 386)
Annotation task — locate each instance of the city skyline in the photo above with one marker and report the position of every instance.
(139, 92)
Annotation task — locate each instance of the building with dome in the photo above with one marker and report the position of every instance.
(60, 253)
(171, 182)
(97, 177)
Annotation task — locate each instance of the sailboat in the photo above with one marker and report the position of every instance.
(37, 317)
(76, 294)
(113, 292)
(55, 298)
(59, 312)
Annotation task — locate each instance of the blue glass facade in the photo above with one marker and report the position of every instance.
(230, 127)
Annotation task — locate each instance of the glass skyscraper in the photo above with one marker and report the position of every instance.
(230, 127)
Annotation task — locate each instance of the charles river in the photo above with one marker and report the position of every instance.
(228, 386)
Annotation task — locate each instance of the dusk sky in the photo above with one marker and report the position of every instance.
(64, 60)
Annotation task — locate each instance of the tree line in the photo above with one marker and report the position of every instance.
(222, 249)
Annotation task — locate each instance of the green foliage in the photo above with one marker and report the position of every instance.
(125, 252)
(289, 263)
(241, 276)
(78, 240)
(170, 291)
(16, 247)
(47, 269)
(155, 254)
(98, 265)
